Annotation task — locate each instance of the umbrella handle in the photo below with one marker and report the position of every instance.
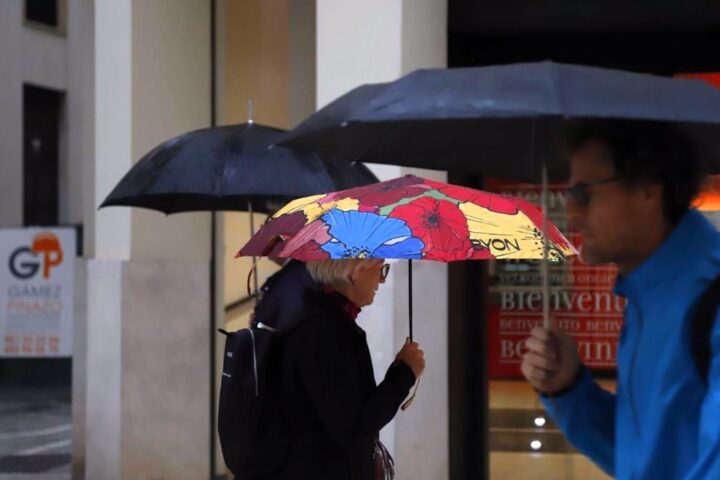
(253, 269)
(409, 401)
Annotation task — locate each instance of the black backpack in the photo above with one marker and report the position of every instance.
(704, 315)
(252, 439)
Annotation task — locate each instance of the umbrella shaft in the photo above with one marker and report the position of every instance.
(254, 266)
(410, 300)
(547, 323)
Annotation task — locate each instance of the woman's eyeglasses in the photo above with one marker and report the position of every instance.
(580, 191)
(384, 270)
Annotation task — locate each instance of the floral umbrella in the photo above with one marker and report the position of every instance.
(409, 218)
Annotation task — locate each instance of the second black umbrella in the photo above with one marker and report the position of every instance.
(229, 168)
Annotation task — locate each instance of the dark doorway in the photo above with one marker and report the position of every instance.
(41, 119)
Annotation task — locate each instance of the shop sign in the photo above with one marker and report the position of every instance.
(37, 277)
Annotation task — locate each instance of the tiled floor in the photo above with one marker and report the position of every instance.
(35, 439)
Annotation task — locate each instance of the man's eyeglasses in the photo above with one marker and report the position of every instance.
(580, 191)
(384, 270)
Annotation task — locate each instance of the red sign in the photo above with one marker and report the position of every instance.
(581, 299)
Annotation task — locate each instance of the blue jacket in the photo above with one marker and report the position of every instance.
(663, 422)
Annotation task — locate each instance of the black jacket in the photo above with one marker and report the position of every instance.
(334, 410)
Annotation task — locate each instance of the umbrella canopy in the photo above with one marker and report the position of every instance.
(408, 218)
(500, 120)
(224, 168)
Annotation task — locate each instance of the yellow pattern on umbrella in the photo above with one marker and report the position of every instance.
(509, 236)
(314, 210)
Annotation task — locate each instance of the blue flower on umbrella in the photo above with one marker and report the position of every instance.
(368, 235)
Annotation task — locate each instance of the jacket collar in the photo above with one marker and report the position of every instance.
(686, 248)
(347, 305)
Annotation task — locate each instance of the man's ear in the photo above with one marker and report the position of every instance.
(652, 192)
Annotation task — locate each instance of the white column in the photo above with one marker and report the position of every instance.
(148, 355)
(376, 41)
(109, 242)
(113, 123)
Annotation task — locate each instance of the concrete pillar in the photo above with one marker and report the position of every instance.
(376, 41)
(148, 368)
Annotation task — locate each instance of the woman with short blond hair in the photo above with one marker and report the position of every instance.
(334, 410)
(335, 273)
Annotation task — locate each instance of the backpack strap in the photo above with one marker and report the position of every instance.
(705, 312)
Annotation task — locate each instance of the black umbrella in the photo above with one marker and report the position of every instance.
(234, 167)
(500, 120)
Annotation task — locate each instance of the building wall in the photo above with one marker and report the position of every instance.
(59, 60)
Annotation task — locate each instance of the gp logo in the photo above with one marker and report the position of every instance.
(45, 253)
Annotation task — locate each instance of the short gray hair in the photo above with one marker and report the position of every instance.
(336, 273)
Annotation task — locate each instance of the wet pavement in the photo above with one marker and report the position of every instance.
(35, 433)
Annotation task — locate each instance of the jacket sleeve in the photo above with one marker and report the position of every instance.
(708, 464)
(586, 415)
(331, 377)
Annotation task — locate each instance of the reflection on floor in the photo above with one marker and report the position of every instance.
(525, 444)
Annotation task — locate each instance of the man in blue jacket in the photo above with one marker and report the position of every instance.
(632, 185)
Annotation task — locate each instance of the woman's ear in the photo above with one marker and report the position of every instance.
(354, 272)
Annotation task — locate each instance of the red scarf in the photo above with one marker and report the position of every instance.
(348, 305)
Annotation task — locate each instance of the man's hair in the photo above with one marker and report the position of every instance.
(336, 273)
(647, 151)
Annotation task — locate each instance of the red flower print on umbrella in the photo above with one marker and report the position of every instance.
(491, 201)
(442, 227)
